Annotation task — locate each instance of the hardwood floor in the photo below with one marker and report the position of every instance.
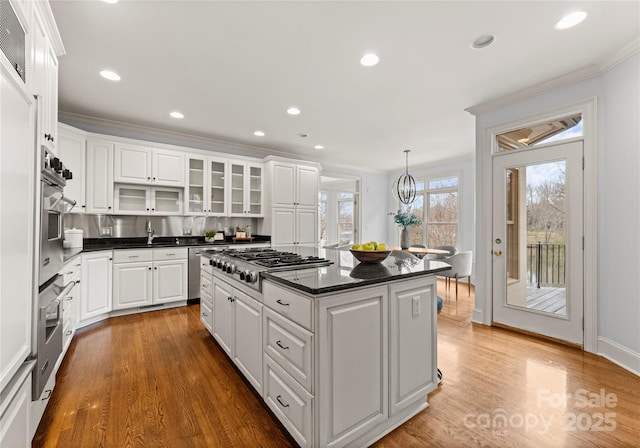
(159, 380)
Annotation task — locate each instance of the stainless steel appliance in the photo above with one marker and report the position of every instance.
(53, 178)
(244, 266)
(194, 269)
(49, 330)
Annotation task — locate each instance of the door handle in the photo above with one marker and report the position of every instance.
(497, 253)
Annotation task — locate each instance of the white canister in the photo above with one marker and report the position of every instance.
(73, 237)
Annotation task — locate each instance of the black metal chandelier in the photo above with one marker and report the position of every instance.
(405, 186)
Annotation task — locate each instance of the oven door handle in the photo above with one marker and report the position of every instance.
(65, 291)
(65, 199)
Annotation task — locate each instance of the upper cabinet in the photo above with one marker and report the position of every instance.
(206, 186)
(293, 185)
(246, 189)
(71, 148)
(99, 177)
(149, 166)
(45, 76)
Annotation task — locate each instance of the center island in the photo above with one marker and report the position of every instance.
(349, 350)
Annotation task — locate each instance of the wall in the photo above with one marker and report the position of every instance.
(618, 190)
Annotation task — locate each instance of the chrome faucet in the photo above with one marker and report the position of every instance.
(150, 232)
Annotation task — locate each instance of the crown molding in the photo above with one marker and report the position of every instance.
(535, 90)
(135, 131)
(582, 74)
(52, 28)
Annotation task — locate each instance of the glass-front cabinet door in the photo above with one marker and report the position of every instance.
(217, 187)
(166, 201)
(132, 199)
(206, 189)
(246, 189)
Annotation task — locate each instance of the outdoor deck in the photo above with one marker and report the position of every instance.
(547, 299)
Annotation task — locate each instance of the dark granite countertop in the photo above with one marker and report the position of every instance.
(95, 244)
(347, 273)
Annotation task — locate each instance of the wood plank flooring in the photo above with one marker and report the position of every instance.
(159, 380)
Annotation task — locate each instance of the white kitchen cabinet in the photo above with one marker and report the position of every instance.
(291, 226)
(130, 199)
(99, 177)
(353, 364)
(14, 416)
(150, 166)
(96, 284)
(45, 77)
(413, 317)
(237, 326)
(206, 298)
(72, 272)
(206, 189)
(293, 185)
(143, 277)
(17, 226)
(246, 189)
(72, 151)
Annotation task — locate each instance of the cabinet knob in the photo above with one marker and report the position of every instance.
(109, 207)
(147, 209)
(149, 268)
(83, 206)
(153, 209)
(148, 178)
(154, 178)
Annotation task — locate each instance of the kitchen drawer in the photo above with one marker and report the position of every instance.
(71, 270)
(290, 345)
(133, 255)
(170, 253)
(289, 402)
(288, 303)
(205, 266)
(206, 285)
(206, 315)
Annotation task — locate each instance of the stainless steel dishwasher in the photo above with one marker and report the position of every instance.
(194, 269)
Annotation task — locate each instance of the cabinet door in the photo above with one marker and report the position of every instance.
(72, 149)
(167, 168)
(132, 164)
(283, 188)
(169, 281)
(52, 97)
(216, 197)
(412, 349)
(132, 200)
(223, 315)
(96, 284)
(307, 187)
(166, 201)
(99, 176)
(353, 363)
(196, 186)
(131, 285)
(14, 424)
(247, 351)
(283, 227)
(17, 205)
(237, 189)
(254, 187)
(307, 227)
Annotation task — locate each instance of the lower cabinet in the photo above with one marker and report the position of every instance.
(96, 284)
(237, 327)
(14, 417)
(143, 277)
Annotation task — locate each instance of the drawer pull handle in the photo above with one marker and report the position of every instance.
(205, 314)
(69, 299)
(69, 333)
(171, 255)
(134, 256)
(284, 405)
(281, 346)
(280, 302)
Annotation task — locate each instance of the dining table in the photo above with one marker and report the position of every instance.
(420, 250)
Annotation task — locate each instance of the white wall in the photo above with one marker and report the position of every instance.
(618, 190)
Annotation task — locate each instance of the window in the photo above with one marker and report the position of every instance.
(436, 205)
(346, 204)
(547, 132)
(322, 214)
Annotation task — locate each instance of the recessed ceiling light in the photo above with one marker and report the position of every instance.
(293, 111)
(318, 147)
(259, 134)
(176, 114)
(111, 76)
(110, 1)
(483, 41)
(571, 20)
(369, 59)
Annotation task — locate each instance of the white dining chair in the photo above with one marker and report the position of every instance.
(461, 265)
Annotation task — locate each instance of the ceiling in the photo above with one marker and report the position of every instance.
(235, 67)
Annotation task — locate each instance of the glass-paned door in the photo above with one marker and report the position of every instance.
(255, 190)
(217, 187)
(195, 192)
(237, 189)
(537, 240)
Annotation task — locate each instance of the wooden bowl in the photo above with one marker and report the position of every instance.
(370, 257)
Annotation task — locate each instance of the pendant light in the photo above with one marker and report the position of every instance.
(405, 186)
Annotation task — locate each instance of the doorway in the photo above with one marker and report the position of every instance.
(537, 246)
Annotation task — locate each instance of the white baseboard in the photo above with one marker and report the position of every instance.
(477, 316)
(618, 354)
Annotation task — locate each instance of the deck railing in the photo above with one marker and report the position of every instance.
(546, 264)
